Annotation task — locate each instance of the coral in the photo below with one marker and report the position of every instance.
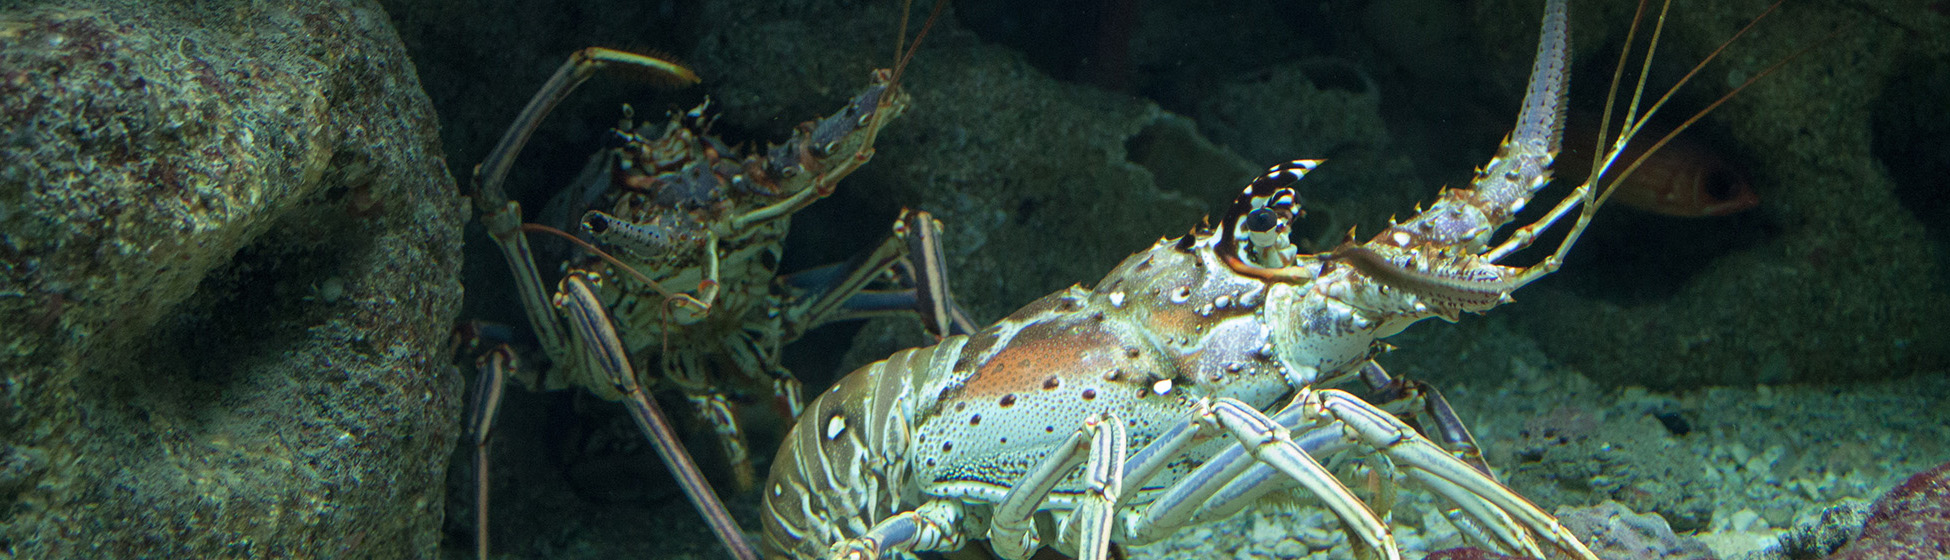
(173, 177)
(1911, 522)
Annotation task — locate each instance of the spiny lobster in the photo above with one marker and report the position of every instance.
(676, 207)
(1191, 380)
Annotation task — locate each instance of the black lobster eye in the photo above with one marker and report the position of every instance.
(595, 222)
(1261, 220)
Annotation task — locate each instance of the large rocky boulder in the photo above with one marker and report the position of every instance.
(228, 262)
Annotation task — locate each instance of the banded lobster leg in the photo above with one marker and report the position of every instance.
(838, 292)
(503, 216)
(1319, 423)
(1315, 424)
(809, 299)
(503, 220)
(822, 295)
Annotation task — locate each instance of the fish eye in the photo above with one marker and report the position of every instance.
(1721, 185)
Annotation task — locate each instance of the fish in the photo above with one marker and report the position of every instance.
(1688, 178)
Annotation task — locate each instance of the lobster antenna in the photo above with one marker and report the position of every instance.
(1634, 123)
(901, 65)
(1611, 95)
(900, 39)
(1633, 127)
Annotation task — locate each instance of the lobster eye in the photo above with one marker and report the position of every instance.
(595, 222)
(1261, 220)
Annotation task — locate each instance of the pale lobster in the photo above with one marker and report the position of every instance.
(1191, 380)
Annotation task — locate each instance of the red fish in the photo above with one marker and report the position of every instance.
(1686, 178)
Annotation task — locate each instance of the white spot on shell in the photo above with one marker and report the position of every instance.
(835, 426)
(1223, 302)
(1161, 387)
(1181, 295)
(1401, 238)
(1117, 299)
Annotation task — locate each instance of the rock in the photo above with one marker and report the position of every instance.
(1612, 531)
(1469, 553)
(1816, 533)
(1911, 522)
(183, 376)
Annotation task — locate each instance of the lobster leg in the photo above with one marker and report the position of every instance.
(929, 273)
(837, 292)
(1101, 445)
(692, 377)
(1455, 436)
(929, 528)
(494, 367)
(1272, 443)
(1233, 481)
(605, 350)
(1428, 464)
(1262, 442)
(1238, 475)
(502, 217)
(1224, 485)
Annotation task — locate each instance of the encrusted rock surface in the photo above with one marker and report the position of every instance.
(228, 265)
(1911, 522)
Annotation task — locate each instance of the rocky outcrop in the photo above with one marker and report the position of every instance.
(229, 256)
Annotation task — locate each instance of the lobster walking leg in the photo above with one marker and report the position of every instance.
(493, 368)
(1101, 446)
(1272, 443)
(1455, 436)
(929, 528)
(502, 216)
(1429, 464)
(837, 292)
(606, 351)
(1232, 480)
